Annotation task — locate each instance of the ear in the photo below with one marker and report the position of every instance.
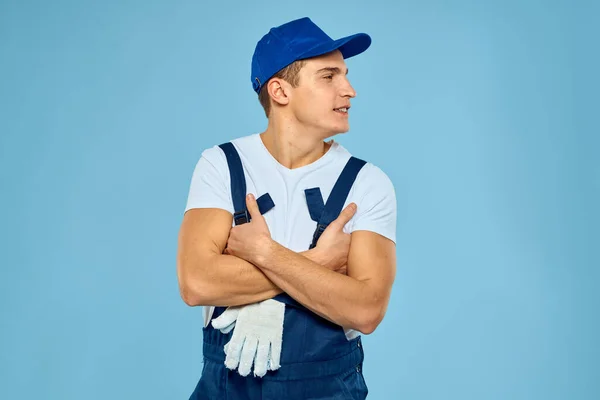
(279, 90)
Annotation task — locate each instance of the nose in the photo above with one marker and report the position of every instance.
(347, 89)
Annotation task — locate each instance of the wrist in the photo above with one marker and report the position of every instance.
(265, 249)
(315, 255)
(323, 258)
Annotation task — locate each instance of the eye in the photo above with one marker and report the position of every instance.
(328, 77)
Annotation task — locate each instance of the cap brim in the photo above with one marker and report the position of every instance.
(349, 46)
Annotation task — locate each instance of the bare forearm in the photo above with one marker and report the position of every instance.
(339, 298)
(232, 281)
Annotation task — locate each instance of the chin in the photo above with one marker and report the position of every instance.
(336, 131)
(343, 129)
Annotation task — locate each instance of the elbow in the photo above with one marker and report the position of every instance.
(190, 294)
(192, 290)
(194, 294)
(369, 320)
(368, 326)
(194, 264)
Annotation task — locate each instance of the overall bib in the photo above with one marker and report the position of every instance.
(317, 360)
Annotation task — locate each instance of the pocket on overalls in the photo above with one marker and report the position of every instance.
(353, 383)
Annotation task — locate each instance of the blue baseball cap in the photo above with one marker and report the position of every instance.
(298, 40)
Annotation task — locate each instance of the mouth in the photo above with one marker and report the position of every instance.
(342, 110)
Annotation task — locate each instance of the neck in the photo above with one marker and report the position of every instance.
(293, 146)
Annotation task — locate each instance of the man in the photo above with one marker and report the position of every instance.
(288, 241)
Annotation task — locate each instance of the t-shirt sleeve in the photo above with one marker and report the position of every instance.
(376, 203)
(210, 187)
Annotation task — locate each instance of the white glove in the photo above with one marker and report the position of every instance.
(256, 337)
(226, 321)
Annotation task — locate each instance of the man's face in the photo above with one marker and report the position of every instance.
(323, 89)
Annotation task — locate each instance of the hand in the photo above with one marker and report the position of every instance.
(334, 243)
(247, 241)
(256, 337)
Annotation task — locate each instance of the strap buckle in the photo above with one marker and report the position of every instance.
(241, 217)
(318, 232)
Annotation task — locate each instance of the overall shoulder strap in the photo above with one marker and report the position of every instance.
(238, 187)
(325, 214)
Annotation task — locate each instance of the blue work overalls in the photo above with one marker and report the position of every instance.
(317, 360)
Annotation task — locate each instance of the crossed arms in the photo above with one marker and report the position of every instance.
(346, 278)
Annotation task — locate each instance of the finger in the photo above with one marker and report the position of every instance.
(247, 358)
(234, 351)
(262, 358)
(274, 359)
(252, 206)
(345, 216)
(228, 328)
(227, 318)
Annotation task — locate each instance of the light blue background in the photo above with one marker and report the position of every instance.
(481, 113)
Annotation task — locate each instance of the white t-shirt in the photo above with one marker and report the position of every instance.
(289, 221)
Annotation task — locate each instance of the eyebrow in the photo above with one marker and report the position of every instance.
(334, 70)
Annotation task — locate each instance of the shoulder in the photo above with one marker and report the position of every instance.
(375, 196)
(369, 173)
(245, 141)
(215, 155)
(374, 174)
(372, 179)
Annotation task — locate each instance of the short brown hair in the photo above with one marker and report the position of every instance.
(290, 74)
